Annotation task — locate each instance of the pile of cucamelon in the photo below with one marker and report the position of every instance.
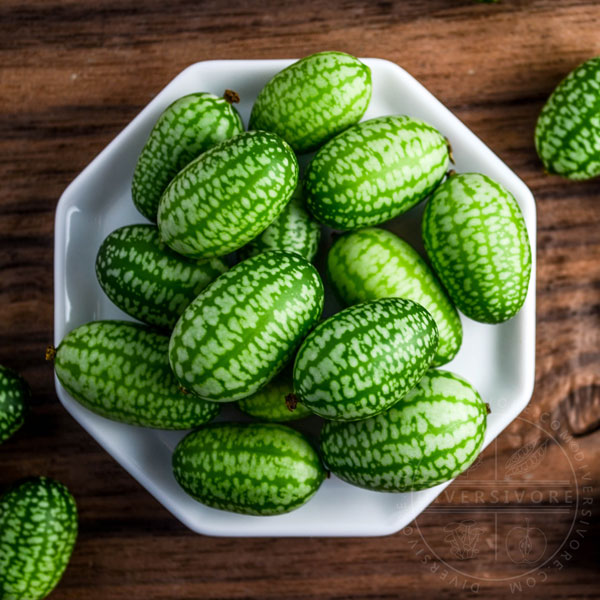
(248, 328)
(252, 333)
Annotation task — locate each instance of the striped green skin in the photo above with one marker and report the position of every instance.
(242, 330)
(374, 172)
(14, 395)
(369, 264)
(313, 99)
(567, 135)
(121, 371)
(228, 195)
(294, 230)
(362, 360)
(268, 404)
(432, 435)
(146, 279)
(38, 529)
(476, 239)
(186, 129)
(252, 468)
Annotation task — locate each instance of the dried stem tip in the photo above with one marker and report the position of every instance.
(50, 352)
(231, 96)
(487, 408)
(450, 155)
(291, 401)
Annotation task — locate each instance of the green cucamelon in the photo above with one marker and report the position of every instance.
(187, 128)
(476, 239)
(371, 263)
(120, 370)
(269, 403)
(294, 230)
(432, 435)
(14, 395)
(146, 279)
(313, 99)
(243, 329)
(38, 529)
(375, 171)
(567, 135)
(228, 195)
(251, 468)
(365, 358)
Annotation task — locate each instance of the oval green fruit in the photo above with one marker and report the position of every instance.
(269, 403)
(567, 135)
(365, 358)
(242, 330)
(38, 529)
(375, 171)
(294, 230)
(369, 264)
(120, 370)
(432, 435)
(187, 128)
(228, 195)
(476, 239)
(14, 395)
(146, 279)
(251, 468)
(313, 99)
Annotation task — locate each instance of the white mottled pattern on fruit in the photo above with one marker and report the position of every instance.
(260, 469)
(38, 528)
(189, 126)
(567, 135)
(313, 99)
(293, 230)
(364, 359)
(369, 264)
(14, 395)
(121, 371)
(375, 171)
(228, 195)
(476, 239)
(434, 433)
(148, 280)
(243, 328)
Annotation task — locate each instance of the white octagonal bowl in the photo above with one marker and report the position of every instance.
(498, 360)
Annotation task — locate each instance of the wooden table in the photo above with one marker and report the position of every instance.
(74, 73)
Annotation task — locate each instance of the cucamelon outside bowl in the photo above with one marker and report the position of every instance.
(498, 360)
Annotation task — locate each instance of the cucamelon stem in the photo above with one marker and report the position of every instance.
(231, 96)
(450, 155)
(291, 401)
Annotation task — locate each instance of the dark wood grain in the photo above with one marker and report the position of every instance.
(73, 74)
